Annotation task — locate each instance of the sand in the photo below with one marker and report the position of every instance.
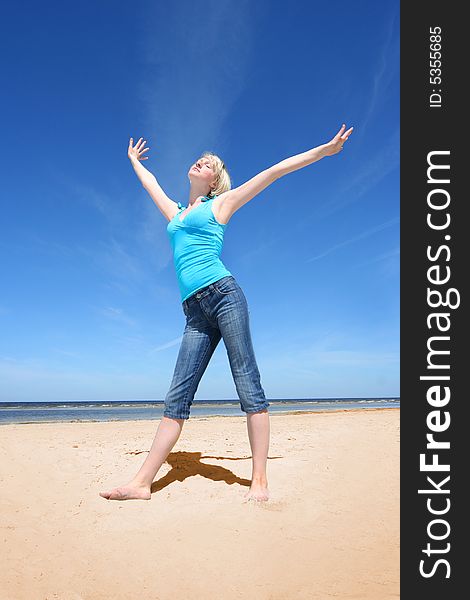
(329, 530)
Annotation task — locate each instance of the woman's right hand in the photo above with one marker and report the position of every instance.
(136, 152)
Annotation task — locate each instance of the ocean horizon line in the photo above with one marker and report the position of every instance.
(4, 403)
(125, 410)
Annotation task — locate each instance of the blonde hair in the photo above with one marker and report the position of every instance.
(223, 182)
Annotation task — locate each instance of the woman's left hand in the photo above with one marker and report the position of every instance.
(336, 144)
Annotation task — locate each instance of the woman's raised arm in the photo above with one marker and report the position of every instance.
(233, 199)
(168, 207)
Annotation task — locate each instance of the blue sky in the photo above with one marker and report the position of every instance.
(89, 302)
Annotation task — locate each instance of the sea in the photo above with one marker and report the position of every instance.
(133, 410)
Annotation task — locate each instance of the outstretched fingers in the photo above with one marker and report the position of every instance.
(141, 152)
(343, 135)
(347, 133)
(338, 135)
(139, 148)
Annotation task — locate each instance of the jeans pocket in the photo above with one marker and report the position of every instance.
(225, 286)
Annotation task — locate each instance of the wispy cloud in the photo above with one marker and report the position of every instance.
(111, 206)
(117, 261)
(387, 68)
(195, 66)
(384, 256)
(356, 238)
(369, 174)
(131, 230)
(117, 314)
(169, 344)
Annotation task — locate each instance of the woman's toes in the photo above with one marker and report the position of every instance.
(127, 493)
(112, 495)
(117, 495)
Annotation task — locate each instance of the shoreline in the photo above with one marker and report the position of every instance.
(205, 417)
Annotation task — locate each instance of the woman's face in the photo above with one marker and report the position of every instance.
(202, 171)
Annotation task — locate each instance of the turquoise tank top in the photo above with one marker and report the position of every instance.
(197, 243)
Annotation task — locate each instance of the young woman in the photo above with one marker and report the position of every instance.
(213, 303)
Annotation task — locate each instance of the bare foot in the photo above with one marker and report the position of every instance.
(128, 492)
(258, 490)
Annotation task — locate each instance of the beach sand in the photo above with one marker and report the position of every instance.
(329, 530)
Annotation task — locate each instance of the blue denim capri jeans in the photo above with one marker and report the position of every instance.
(219, 310)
